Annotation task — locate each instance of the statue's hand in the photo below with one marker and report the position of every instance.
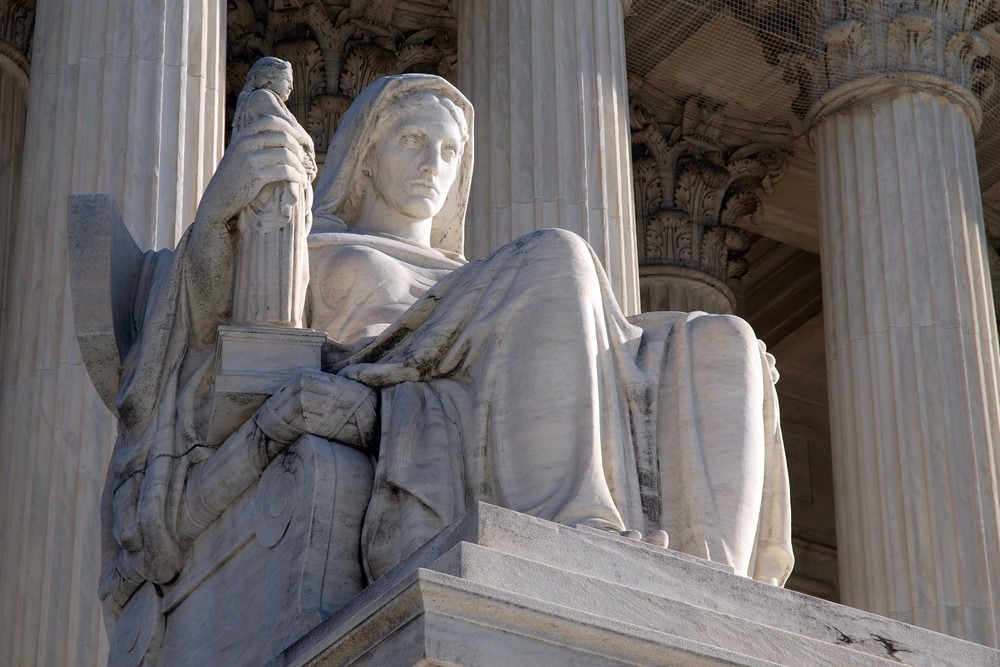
(330, 406)
(268, 150)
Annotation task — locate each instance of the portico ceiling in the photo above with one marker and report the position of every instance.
(752, 57)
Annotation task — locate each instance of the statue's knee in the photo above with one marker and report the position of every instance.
(554, 243)
(723, 331)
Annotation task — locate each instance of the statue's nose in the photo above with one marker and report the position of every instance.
(433, 159)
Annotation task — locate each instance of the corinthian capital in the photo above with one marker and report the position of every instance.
(697, 192)
(336, 49)
(872, 45)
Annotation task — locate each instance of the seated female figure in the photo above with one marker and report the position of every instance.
(514, 379)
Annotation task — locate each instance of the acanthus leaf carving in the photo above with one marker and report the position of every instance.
(937, 38)
(336, 49)
(693, 193)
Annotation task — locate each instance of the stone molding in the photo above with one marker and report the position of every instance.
(335, 53)
(875, 87)
(695, 195)
(684, 289)
(497, 586)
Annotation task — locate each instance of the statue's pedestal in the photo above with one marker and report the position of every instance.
(501, 588)
(253, 362)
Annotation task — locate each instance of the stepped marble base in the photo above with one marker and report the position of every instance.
(502, 588)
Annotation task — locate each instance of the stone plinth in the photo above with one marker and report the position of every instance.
(502, 588)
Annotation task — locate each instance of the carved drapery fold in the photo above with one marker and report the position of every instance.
(695, 195)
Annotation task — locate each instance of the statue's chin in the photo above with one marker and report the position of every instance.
(419, 207)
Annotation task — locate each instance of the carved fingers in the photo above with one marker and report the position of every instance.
(330, 406)
(268, 150)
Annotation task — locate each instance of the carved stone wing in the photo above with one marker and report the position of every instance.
(105, 267)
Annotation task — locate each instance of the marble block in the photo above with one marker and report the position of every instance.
(273, 565)
(502, 588)
(252, 363)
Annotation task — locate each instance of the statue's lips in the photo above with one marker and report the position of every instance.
(425, 186)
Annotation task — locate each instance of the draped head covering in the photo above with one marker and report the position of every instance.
(333, 209)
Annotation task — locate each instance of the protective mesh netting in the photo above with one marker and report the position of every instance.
(774, 58)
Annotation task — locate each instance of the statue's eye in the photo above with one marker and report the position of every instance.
(410, 141)
(448, 153)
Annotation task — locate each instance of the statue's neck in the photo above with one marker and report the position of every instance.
(377, 217)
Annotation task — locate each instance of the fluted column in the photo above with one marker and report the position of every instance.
(911, 338)
(125, 98)
(547, 79)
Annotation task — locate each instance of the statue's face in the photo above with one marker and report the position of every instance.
(417, 159)
(283, 85)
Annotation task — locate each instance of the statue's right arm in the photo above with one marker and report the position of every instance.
(264, 152)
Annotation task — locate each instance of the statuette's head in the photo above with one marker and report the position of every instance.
(272, 74)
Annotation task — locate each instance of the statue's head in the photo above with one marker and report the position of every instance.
(407, 140)
(271, 73)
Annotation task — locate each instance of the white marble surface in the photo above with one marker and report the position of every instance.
(913, 362)
(548, 82)
(272, 269)
(671, 424)
(668, 287)
(682, 437)
(125, 98)
(280, 556)
(502, 588)
(251, 364)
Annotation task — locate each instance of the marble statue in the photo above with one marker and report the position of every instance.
(273, 268)
(513, 380)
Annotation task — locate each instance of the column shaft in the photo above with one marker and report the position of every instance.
(913, 363)
(547, 79)
(125, 98)
(666, 287)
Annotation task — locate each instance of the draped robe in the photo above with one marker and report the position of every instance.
(516, 380)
